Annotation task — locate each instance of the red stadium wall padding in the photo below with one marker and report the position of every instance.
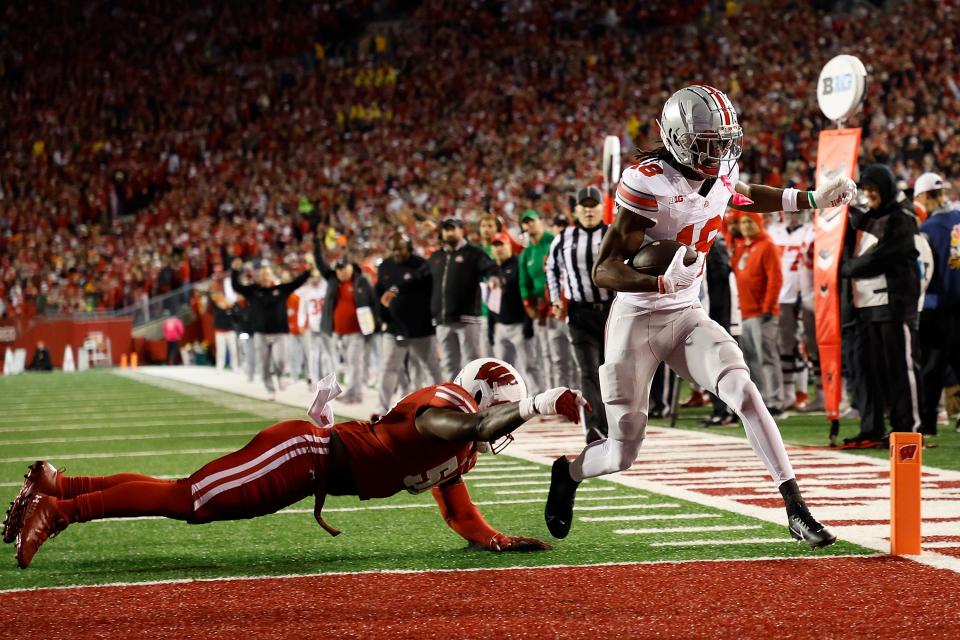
(57, 334)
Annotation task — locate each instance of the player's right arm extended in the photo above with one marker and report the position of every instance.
(620, 243)
(497, 421)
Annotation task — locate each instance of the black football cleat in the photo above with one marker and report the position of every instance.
(563, 490)
(803, 526)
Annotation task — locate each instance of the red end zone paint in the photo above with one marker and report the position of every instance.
(842, 597)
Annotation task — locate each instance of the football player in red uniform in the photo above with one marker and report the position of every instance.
(428, 440)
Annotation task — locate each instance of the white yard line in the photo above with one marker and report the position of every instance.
(723, 543)
(100, 426)
(651, 516)
(719, 527)
(113, 454)
(139, 436)
(419, 505)
(544, 490)
(512, 483)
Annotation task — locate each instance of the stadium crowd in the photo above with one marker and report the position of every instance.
(145, 146)
(179, 136)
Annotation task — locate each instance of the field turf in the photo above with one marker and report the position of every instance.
(97, 423)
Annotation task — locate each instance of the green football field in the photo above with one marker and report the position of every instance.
(97, 423)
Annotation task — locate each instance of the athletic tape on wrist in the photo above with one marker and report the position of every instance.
(788, 201)
(813, 203)
(528, 408)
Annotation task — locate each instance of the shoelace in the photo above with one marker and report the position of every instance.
(806, 518)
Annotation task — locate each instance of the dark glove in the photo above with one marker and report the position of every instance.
(767, 317)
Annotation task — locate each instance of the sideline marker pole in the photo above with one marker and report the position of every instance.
(134, 360)
(123, 361)
(906, 451)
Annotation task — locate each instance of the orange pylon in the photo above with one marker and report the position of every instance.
(906, 451)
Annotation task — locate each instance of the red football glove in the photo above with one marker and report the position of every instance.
(501, 542)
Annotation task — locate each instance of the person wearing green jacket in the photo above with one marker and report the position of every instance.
(552, 340)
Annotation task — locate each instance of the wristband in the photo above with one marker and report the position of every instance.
(528, 408)
(813, 203)
(788, 200)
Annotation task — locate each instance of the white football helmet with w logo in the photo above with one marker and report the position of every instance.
(700, 130)
(491, 381)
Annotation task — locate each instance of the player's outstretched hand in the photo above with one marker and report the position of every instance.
(680, 276)
(559, 401)
(833, 193)
(501, 542)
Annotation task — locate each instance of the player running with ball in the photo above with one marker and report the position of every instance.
(680, 192)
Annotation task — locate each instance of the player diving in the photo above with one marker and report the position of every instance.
(428, 440)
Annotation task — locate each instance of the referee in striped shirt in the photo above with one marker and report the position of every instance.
(569, 267)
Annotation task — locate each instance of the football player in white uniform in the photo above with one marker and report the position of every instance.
(680, 192)
(795, 238)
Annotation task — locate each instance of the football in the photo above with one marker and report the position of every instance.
(654, 258)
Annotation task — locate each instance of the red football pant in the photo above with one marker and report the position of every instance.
(279, 467)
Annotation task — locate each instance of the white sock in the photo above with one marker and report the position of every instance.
(603, 457)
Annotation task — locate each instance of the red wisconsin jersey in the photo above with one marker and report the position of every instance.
(391, 454)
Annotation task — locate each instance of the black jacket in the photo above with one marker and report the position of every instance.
(267, 306)
(363, 295)
(511, 304)
(456, 282)
(718, 282)
(885, 278)
(408, 316)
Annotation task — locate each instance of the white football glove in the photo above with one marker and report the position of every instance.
(559, 401)
(677, 276)
(839, 191)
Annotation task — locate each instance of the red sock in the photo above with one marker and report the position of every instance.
(168, 498)
(71, 487)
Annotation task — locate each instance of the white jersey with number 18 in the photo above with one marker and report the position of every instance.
(656, 190)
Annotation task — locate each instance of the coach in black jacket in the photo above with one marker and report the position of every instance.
(885, 285)
(404, 286)
(267, 309)
(457, 269)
